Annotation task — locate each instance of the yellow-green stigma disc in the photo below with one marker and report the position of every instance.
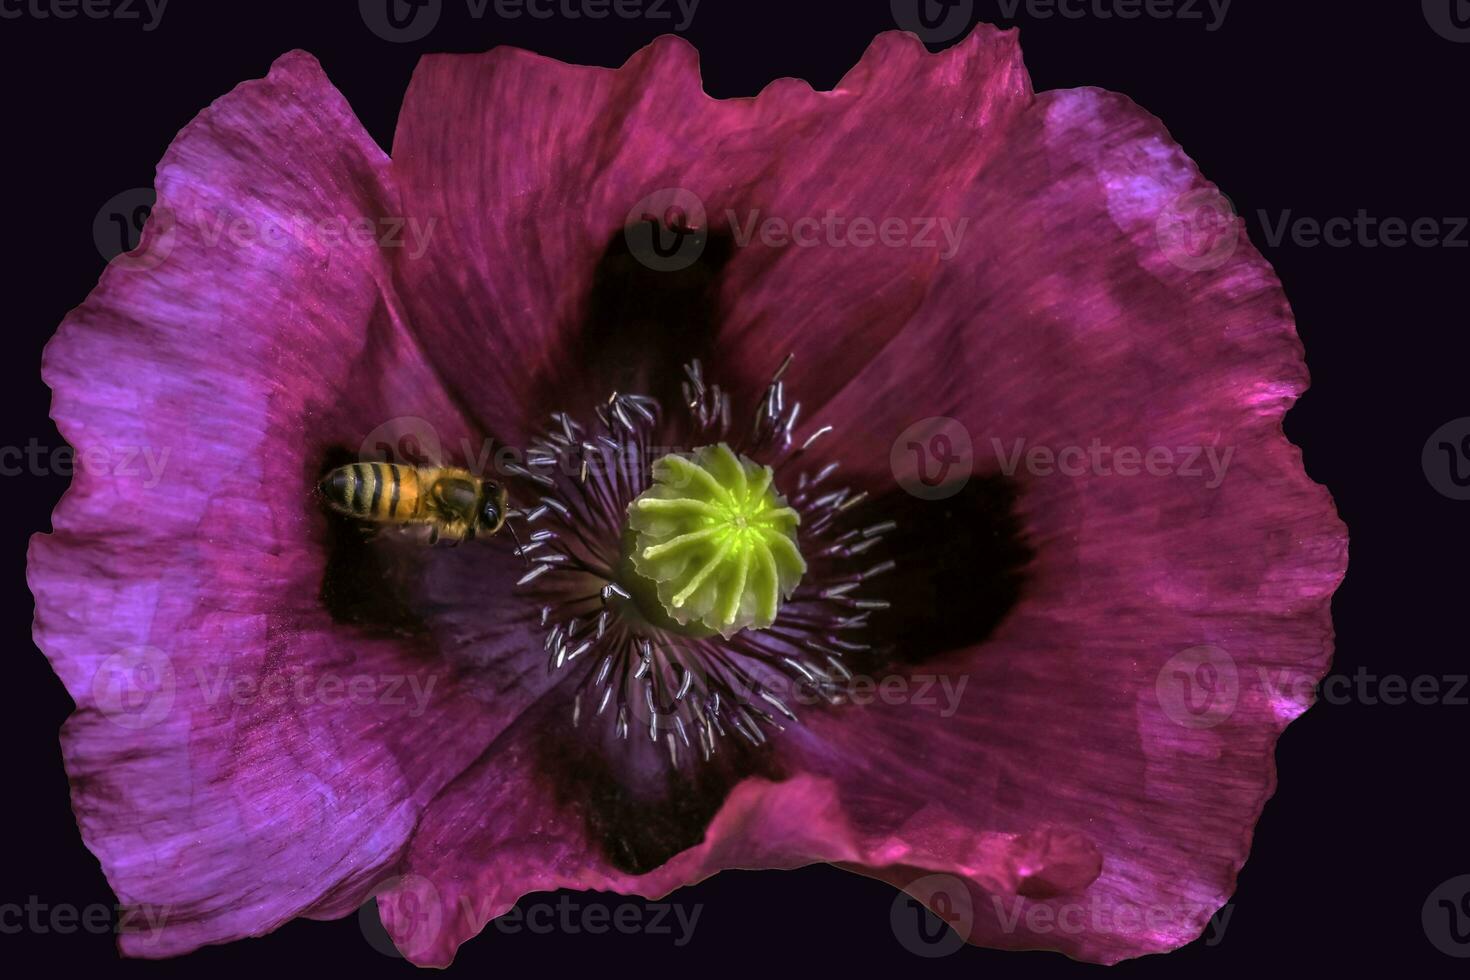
(717, 540)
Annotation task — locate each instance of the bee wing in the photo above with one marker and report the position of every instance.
(424, 535)
(413, 535)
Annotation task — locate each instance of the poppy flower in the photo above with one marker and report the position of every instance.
(813, 407)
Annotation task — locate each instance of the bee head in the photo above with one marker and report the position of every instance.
(492, 507)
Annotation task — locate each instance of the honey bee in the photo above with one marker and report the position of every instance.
(453, 503)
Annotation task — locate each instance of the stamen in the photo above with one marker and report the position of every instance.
(700, 529)
(694, 683)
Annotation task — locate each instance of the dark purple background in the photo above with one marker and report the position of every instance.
(1321, 108)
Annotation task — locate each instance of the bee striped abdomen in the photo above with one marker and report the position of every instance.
(383, 492)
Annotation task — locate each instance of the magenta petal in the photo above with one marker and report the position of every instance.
(527, 169)
(502, 832)
(1066, 322)
(1061, 780)
(1070, 322)
(179, 603)
(883, 163)
(1065, 772)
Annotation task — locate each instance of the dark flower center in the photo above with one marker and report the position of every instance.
(690, 681)
(968, 552)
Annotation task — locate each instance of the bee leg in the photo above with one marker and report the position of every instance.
(433, 536)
